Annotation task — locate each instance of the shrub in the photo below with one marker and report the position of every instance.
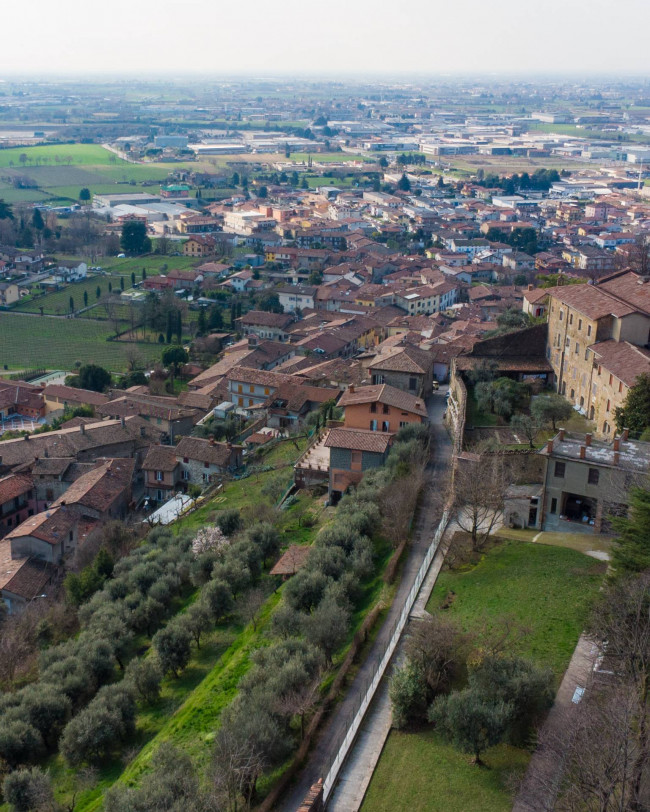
(408, 694)
(26, 790)
(20, 742)
(144, 676)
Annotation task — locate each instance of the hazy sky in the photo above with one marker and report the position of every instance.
(262, 37)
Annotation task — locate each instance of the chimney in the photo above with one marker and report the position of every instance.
(351, 389)
(617, 457)
(626, 434)
(583, 451)
(27, 437)
(549, 447)
(122, 422)
(531, 287)
(617, 443)
(252, 340)
(560, 435)
(587, 440)
(83, 428)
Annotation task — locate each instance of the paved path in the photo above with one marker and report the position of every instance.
(545, 769)
(358, 769)
(426, 523)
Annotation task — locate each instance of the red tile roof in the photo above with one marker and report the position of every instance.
(359, 440)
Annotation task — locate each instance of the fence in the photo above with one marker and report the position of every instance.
(341, 747)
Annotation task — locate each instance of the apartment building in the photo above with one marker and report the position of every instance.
(597, 339)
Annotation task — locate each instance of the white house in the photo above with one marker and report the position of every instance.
(70, 271)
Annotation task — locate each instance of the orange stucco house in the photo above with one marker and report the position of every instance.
(381, 408)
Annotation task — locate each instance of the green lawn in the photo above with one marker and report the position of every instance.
(546, 590)
(419, 771)
(50, 343)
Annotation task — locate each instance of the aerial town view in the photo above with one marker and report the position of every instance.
(324, 408)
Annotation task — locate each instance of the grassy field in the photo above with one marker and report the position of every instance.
(546, 590)
(70, 154)
(57, 302)
(51, 343)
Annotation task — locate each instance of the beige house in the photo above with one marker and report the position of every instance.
(9, 293)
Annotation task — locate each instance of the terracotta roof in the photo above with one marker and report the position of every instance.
(263, 319)
(359, 440)
(383, 393)
(628, 287)
(74, 395)
(194, 448)
(590, 300)
(624, 360)
(291, 561)
(30, 578)
(14, 485)
(8, 566)
(51, 526)
(99, 488)
(160, 458)
(403, 359)
(261, 377)
(535, 295)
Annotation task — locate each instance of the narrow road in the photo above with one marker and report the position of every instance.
(426, 523)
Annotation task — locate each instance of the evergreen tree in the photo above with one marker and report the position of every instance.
(631, 550)
(170, 327)
(179, 327)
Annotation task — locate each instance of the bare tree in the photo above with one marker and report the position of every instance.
(436, 646)
(479, 490)
(301, 701)
(595, 746)
(252, 604)
(622, 621)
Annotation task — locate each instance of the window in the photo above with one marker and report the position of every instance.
(620, 386)
(573, 392)
(206, 464)
(186, 475)
(611, 379)
(403, 423)
(571, 318)
(386, 409)
(186, 460)
(553, 505)
(567, 341)
(579, 324)
(608, 405)
(267, 391)
(355, 460)
(589, 329)
(594, 476)
(159, 495)
(594, 389)
(251, 388)
(606, 428)
(373, 425)
(599, 369)
(561, 315)
(577, 348)
(586, 355)
(159, 476)
(239, 388)
(559, 470)
(373, 407)
(413, 384)
(250, 401)
(385, 426)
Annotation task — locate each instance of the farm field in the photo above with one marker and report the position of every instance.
(547, 591)
(45, 342)
(77, 154)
